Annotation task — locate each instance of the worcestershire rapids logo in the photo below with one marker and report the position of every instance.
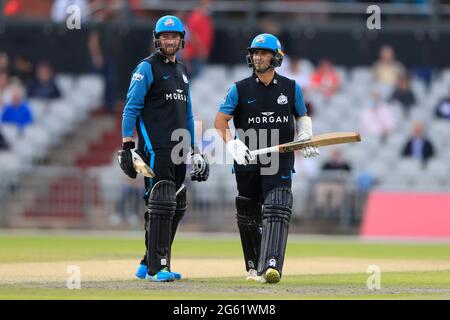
(185, 79)
(282, 99)
(169, 22)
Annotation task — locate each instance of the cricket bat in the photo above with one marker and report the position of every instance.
(140, 166)
(320, 140)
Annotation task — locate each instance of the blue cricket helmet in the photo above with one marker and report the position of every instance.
(168, 24)
(266, 41)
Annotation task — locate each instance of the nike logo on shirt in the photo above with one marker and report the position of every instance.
(251, 101)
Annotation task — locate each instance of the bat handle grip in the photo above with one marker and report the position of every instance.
(264, 151)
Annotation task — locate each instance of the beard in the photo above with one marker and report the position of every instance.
(262, 67)
(170, 50)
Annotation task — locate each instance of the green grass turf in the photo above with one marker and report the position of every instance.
(395, 285)
(58, 248)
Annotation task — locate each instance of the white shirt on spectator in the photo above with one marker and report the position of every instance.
(377, 120)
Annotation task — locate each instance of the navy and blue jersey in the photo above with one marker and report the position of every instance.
(254, 105)
(158, 102)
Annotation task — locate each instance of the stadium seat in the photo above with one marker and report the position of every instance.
(438, 167)
(10, 132)
(65, 83)
(92, 85)
(408, 166)
(362, 75)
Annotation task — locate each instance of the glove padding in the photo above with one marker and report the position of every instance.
(126, 159)
(241, 154)
(310, 151)
(133, 162)
(200, 166)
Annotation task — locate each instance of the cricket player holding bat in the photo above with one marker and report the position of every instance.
(271, 102)
(158, 103)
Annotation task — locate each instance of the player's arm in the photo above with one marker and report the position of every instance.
(221, 125)
(303, 123)
(141, 81)
(237, 148)
(190, 119)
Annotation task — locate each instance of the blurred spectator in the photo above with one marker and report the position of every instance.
(404, 95)
(443, 108)
(129, 204)
(418, 146)
(325, 79)
(3, 144)
(424, 73)
(12, 8)
(329, 190)
(269, 24)
(199, 38)
(44, 84)
(59, 9)
(365, 181)
(4, 62)
(17, 112)
(104, 49)
(387, 70)
(23, 69)
(297, 69)
(336, 162)
(4, 83)
(27, 8)
(377, 119)
(305, 171)
(306, 168)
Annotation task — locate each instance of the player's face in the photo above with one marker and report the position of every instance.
(169, 42)
(262, 59)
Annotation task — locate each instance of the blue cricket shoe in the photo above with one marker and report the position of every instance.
(164, 275)
(141, 272)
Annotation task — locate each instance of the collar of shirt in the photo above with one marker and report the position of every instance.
(274, 81)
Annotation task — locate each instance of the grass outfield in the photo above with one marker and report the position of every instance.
(34, 267)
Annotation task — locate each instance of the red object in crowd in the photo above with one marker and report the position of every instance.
(134, 4)
(327, 78)
(11, 8)
(200, 38)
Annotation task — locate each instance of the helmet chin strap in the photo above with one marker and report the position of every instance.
(269, 67)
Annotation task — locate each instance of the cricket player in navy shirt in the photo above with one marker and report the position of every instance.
(158, 103)
(264, 102)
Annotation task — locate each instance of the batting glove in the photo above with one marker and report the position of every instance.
(200, 166)
(241, 154)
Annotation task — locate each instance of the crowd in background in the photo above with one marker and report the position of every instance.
(21, 79)
(43, 8)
